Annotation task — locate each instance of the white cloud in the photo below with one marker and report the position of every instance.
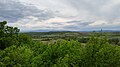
(99, 23)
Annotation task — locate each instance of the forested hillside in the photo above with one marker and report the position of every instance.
(19, 50)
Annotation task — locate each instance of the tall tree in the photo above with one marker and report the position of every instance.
(8, 35)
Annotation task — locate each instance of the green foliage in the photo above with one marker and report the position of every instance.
(24, 38)
(83, 40)
(16, 56)
(8, 35)
(99, 53)
(96, 53)
(114, 41)
(18, 50)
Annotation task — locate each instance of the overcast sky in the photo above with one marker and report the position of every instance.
(74, 15)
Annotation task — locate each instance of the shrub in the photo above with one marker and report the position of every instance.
(114, 41)
(24, 38)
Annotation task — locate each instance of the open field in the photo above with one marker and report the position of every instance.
(82, 37)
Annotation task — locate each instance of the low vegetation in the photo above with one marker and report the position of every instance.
(19, 50)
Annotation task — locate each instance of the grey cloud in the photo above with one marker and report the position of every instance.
(56, 23)
(115, 13)
(82, 12)
(75, 23)
(81, 23)
(94, 8)
(14, 10)
(75, 27)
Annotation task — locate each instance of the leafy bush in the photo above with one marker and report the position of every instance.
(83, 40)
(97, 52)
(24, 38)
(114, 41)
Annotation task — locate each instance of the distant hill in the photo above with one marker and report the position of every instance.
(74, 31)
(108, 31)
